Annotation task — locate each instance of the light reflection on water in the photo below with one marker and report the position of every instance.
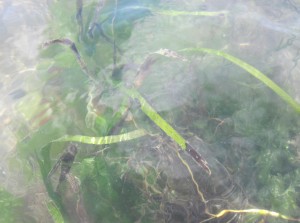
(22, 24)
(263, 34)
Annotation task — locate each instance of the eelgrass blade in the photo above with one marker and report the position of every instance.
(261, 212)
(55, 213)
(191, 13)
(156, 118)
(253, 71)
(103, 140)
(71, 44)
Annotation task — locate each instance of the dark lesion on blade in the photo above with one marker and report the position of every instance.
(65, 162)
(68, 187)
(71, 44)
(79, 17)
(66, 42)
(94, 22)
(198, 158)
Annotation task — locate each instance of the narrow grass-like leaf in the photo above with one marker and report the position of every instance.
(42, 137)
(261, 212)
(156, 118)
(195, 13)
(55, 213)
(103, 140)
(253, 71)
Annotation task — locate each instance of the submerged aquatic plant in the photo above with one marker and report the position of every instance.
(10, 205)
(152, 173)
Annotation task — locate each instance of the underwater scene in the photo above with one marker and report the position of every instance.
(150, 111)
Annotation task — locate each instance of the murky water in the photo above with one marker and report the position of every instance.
(22, 27)
(46, 93)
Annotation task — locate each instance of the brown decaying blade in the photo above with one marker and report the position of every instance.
(198, 158)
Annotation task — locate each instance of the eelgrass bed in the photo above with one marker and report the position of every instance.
(108, 153)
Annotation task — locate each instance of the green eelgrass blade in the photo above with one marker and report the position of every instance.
(168, 129)
(253, 71)
(103, 140)
(55, 213)
(156, 118)
(194, 13)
